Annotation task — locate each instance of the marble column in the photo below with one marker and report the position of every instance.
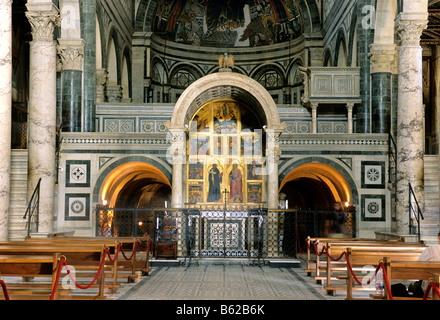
(350, 107)
(314, 107)
(364, 40)
(410, 133)
(71, 53)
(43, 17)
(382, 58)
(273, 153)
(5, 113)
(177, 157)
(101, 83)
(88, 33)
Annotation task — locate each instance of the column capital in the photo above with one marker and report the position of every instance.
(410, 31)
(382, 58)
(43, 23)
(71, 53)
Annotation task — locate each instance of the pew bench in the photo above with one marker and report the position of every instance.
(314, 266)
(25, 266)
(86, 256)
(410, 271)
(363, 261)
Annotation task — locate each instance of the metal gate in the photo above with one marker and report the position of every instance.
(224, 234)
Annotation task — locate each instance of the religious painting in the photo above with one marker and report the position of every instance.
(224, 161)
(251, 145)
(235, 184)
(238, 23)
(225, 118)
(199, 146)
(254, 171)
(195, 192)
(195, 171)
(254, 192)
(215, 179)
(232, 146)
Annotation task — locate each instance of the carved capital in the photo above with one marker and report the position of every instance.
(71, 53)
(410, 31)
(43, 24)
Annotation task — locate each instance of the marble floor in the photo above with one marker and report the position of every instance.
(225, 282)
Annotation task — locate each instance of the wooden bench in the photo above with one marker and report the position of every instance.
(313, 266)
(30, 266)
(410, 271)
(84, 257)
(362, 259)
(128, 245)
(111, 266)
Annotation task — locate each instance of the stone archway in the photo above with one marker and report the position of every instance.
(225, 85)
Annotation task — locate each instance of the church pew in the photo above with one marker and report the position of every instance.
(86, 256)
(313, 266)
(110, 243)
(362, 259)
(410, 271)
(40, 266)
(128, 244)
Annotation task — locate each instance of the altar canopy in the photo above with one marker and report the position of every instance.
(225, 151)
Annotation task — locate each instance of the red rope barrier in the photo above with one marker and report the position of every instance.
(63, 263)
(5, 290)
(432, 286)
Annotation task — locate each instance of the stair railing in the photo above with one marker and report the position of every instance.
(392, 158)
(33, 208)
(414, 211)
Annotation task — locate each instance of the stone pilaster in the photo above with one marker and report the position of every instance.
(410, 125)
(350, 107)
(314, 107)
(5, 113)
(43, 17)
(71, 53)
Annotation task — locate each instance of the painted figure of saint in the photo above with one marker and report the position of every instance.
(236, 184)
(215, 180)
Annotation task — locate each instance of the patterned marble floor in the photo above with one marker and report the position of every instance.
(226, 282)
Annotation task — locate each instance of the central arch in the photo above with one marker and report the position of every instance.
(242, 90)
(225, 85)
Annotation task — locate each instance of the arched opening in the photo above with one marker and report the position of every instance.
(315, 186)
(127, 196)
(324, 200)
(135, 185)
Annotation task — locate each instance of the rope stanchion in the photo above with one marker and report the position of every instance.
(63, 263)
(5, 290)
(432, 286)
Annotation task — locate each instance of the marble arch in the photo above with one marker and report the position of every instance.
(199, 93)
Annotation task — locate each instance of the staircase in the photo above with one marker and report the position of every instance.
(18, 205)
(430, 226)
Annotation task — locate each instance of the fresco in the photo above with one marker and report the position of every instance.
(228, 23)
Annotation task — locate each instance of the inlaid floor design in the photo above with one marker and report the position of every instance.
(226, 282)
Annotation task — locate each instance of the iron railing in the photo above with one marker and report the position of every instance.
(33, 210)
(414, 211)
(255, 234)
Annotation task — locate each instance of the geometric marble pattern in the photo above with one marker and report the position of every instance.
(78, 173)
(373, 175)
(77, 206)
(227, 282)
(373, 207)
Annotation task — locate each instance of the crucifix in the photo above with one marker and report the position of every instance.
(226, 199)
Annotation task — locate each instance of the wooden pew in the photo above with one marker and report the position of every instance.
(409, 271)
(314, 266)
(86, 256)
(30, 266)
(360, 257)
(128, 244)
(110, 243)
